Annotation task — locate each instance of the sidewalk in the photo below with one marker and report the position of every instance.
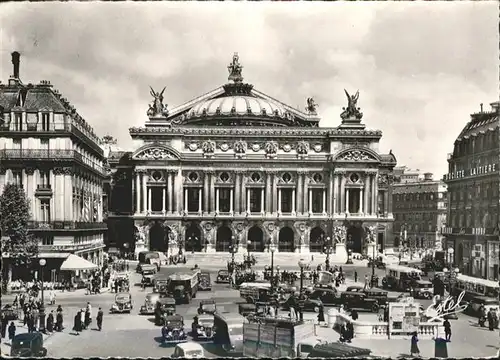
(9, 298)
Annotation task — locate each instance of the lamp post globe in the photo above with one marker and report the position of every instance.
(41, 326)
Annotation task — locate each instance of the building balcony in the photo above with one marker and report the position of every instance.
(44, 190)
(469, 231)
(66, 225)
(69, 247)
(49, 155)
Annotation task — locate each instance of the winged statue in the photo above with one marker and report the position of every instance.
(157, 107)
(352, 106)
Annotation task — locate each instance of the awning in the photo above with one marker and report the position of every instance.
(74, 262)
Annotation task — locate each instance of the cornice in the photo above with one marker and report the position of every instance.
(274, 132)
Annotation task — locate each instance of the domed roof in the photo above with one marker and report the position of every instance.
(237, 105)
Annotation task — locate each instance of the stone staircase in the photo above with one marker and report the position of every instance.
(263, 258)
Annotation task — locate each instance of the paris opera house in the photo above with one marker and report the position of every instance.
(237, 167)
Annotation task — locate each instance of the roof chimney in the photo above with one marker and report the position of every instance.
(428, 176)
(16, 56)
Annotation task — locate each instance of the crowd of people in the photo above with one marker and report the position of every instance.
(83, 319)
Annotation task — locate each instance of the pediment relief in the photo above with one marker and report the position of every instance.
(356, 155)
(155, 153)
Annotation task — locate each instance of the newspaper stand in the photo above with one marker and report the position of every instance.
(404, 317)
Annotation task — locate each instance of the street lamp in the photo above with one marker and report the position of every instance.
(232, 248)
(249, 243)
(272, 248)
(349, 250)
(302, 265)
(328, 251)
(41, 327)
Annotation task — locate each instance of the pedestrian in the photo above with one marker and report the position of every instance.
(82, 319)
(77, 323)
(321, 315)
(366, 282)
(491, 320)
(88, 318)
(12, 331)
(350, 331)
(100, 315)
(4, 323)
(343, 333)
(50, 322)
(30, 322)
(447, 330)
(355, 276)
(414, 350)
(354, 315)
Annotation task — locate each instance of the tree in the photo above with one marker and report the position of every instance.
(14, 217)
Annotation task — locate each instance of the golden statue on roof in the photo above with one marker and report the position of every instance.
(234, 69)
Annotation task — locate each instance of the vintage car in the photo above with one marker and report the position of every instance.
(309, 304)
(204, 281)
(207, 307)
(422, 289)
(27, 345)
(327, 296)
(359, 301)
(477, 301)
(173, 329)
(222, 277)
(247, 309)
(378, 263)
(372, 293)
(10, 313)
(123, 303)
(160, 284)
(148, 274)
(189, 350)
(149, 304)
(203, 327)
(164, 307)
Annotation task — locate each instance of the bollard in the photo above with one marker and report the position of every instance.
(332, 317)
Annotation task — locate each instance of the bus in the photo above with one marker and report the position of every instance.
(400, 278)
(229, 332)
(474, 287)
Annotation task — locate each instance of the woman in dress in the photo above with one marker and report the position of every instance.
(77, 326)
(321, 315)
(414, 350)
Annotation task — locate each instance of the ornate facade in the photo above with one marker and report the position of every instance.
(238, 166)
(47, 148)
(473, 228)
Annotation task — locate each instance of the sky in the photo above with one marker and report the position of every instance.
(421, 68)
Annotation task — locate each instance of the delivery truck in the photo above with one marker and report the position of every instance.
(273, 337)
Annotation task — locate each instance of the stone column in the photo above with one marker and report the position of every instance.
(262, 199)
(386, 202)
(330, 196)
(217, 200)
(237, 192)
(164, 198)
(137, 193)
(342, 207)
(24, 179)
(179, 185)
(300, 190)
(244, 203)
(310, 200)
(206, 192)
(149, 199)
(186, 200)
(335, 193)
(170, 192)
(307, 195)
(231, 201)
(365, 193)
(212, 191)
(144, 192)
(293, 202)
(324, 201)
(68, 197)
(347, 201)
(34, 182)
(248, 201)
(360, 201)
(375, 194)
(200, 201)
(279, 201)
(274, 202)
(52, 179)
(268, 197)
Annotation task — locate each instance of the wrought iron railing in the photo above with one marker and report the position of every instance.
(66, 225)
(49, 154)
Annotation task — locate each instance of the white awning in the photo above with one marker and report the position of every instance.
(74, 262)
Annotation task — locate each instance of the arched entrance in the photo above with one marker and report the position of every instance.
(355, 236)
(317, 239)
(256, 238)
(192, 238)
(223, 240)
(158, 237)
(285, 240)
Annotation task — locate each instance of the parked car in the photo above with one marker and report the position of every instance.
(28, 345)
(123, 303)
(203, 327)
(359, 301)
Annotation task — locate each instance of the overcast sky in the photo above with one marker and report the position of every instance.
(421, 68)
